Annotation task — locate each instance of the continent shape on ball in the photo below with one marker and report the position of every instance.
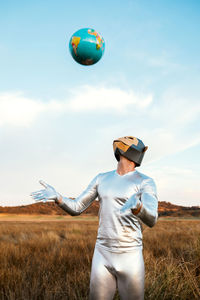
(86, 46)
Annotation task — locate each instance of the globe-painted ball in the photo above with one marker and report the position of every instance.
(86, 46)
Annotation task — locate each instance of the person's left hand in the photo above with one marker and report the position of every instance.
(133, 203)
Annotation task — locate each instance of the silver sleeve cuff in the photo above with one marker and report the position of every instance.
(147, 217)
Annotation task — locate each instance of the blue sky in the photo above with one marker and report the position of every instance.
(146, 85)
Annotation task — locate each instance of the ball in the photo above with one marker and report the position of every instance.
(86, 46)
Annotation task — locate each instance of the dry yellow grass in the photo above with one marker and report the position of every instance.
(51, 260)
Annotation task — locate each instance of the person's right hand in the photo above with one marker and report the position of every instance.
(49, 193)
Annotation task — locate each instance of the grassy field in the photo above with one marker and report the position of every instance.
(50, 258)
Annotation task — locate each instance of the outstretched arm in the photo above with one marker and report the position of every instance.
(73, 207)
(77, 206)
(144, 204)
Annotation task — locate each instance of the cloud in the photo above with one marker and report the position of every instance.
(163, 124)
(17, 109)
(91, 98)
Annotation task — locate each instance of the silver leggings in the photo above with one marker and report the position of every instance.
(122, 271)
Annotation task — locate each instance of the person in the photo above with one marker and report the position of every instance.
(127, 198)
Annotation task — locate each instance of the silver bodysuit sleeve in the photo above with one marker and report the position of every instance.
(149, 210)
(77, 206)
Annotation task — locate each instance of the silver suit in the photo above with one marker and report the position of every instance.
(118, 259)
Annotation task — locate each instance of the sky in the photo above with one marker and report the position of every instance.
(58, 119)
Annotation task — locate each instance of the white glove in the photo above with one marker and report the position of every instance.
(49, 193)
(133, 203)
